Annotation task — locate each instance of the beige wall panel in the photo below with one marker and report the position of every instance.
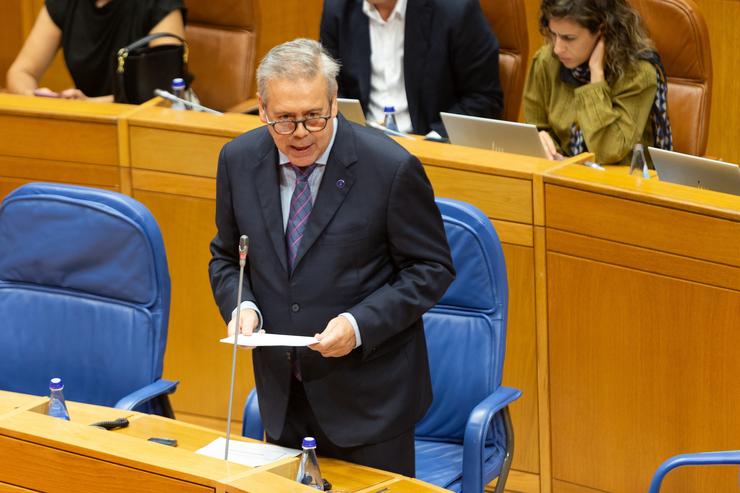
(82, 142)
(194, 356)
(520, 366)
(644, 225)
(642, 367)
(175, 152)
(498, 197)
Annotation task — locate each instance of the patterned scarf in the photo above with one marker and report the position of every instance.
(658, 113)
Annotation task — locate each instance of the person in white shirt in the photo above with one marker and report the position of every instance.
(419, 56)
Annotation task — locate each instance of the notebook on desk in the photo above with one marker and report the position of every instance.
(497, 135)
(695, 171)
(351, 109)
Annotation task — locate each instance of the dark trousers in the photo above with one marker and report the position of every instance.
(396, 454)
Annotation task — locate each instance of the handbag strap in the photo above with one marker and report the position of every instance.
(123, 52)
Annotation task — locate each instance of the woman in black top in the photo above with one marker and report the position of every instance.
(90, 33)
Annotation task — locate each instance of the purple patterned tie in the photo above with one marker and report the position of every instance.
(300, 208)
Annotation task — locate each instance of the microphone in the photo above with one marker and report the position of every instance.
(388, 130)
(243, 245)
(195, 106)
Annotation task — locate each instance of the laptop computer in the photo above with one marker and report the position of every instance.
(695, 171)
(351, 109)
(497, 135)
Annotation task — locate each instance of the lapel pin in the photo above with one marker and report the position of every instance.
(340, 184)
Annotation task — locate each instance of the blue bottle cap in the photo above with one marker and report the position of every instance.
(178, 83)
(309, 442)
(389, 109)
(56, 384)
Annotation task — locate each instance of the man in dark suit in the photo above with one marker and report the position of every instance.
(357, 266)
(442, 52)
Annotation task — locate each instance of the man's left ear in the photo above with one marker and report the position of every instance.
(334, 106)
(261, 107)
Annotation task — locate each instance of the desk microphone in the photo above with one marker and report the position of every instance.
(243, 246)
(194, 106)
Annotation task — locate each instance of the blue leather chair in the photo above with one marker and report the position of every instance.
(727, 457)
(465, 440)
(84, 295)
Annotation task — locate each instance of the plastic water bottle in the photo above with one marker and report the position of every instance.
(639, 163)
(178, 89)
(389, 121)
(308, 471)
(57, 406)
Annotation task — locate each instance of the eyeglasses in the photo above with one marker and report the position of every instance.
(312, 124)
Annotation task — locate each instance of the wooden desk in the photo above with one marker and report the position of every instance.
(583, 248)
(41, 453)
(46, 139)
(643, 283)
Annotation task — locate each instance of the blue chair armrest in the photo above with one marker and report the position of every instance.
(145, 394)
(475, 435)
(252, 421)
(698, 459)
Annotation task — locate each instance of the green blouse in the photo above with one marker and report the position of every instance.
(612, 118)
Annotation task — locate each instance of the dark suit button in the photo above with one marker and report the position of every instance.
(288, 354)
(295, 307)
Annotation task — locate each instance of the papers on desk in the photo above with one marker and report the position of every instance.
(265, 339)
(247, 453)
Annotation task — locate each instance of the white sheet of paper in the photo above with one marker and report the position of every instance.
(268, 339)
(247, 453)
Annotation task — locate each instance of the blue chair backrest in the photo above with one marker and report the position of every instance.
(466, 330)
(84, 293)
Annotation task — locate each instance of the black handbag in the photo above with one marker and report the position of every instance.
(141, 69)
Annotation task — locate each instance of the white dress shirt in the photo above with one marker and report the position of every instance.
(387, 84)
(287, 185)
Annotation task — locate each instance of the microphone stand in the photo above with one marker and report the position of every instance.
(243, 244)
(193, 106)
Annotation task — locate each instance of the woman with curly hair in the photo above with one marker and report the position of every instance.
(597, 84)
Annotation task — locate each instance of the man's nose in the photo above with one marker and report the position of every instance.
(300, 130)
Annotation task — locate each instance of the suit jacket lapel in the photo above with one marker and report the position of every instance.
(419, 17)
(335, 185)
(267, 183)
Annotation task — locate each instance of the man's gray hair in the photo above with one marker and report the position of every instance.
(298, 59)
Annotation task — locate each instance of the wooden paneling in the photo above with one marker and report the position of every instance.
(520, 366)
(32, 169)
(643, 225)
(645, 259)
(642, 367)
(175, 152)
(9, 488)
(194, 356)
(498, 197)
(51, 139)
(11, 34)
(724, 37)
(20, 459)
